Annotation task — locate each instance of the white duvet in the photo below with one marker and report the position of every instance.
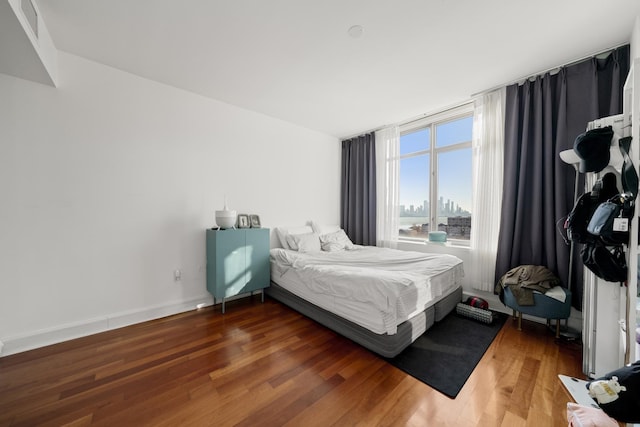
(396, 283)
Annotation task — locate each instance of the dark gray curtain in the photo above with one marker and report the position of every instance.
(358, 204)
(543, 117)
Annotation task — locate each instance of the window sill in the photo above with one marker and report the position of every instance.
(421, 243)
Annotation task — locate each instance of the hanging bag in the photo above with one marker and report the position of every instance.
(610, 221)
(606, 263)
(578, 219)
(609, 224)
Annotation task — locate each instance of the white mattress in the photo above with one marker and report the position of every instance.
(376, 288)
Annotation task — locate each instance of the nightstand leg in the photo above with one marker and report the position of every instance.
(263, 295)
(222, 305)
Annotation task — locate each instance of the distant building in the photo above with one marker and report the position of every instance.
(459, 227)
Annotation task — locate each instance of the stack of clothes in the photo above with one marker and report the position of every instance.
(524, 280)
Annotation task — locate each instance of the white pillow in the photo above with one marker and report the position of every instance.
(309, 242)
(282, 233)
(324, 229)
(336, 241)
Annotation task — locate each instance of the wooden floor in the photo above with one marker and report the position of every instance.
(266, 365)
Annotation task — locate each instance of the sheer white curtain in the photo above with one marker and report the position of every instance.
(488, 161)
(387, 177)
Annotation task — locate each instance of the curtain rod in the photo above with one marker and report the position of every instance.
(521, 79)
(548, 70)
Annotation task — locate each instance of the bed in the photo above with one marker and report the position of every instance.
(381, 298)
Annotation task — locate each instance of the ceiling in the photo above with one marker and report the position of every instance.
(295, 60)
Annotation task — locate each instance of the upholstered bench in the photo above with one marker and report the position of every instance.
(545, 307)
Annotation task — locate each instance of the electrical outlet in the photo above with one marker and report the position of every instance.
(177, 275)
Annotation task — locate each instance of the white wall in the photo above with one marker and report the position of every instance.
(635, 39)
(108, 183)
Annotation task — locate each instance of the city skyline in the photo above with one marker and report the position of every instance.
(444, 209)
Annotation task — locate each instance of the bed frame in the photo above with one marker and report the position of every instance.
(385, 345)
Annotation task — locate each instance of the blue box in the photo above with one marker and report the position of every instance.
(438, 236)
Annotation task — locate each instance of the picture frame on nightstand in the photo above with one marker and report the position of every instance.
(243, 221)
(255, 221)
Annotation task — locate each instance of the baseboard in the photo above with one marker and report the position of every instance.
(45, 337)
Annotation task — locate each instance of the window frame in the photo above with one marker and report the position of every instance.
(432, 121)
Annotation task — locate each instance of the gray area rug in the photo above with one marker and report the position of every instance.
(445, 355)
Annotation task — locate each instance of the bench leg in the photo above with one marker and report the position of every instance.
(557, 328)
(519, 321)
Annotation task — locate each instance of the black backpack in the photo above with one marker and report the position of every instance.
(579, 217)
(608, 263)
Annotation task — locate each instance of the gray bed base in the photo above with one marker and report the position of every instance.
(382, 344)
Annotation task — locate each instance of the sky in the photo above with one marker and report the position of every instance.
(454, 168)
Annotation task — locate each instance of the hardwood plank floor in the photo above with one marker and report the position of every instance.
(266, 365)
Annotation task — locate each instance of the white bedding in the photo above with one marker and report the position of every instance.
(376, 288)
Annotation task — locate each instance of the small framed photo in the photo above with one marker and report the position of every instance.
(255, 221)
(243, 221)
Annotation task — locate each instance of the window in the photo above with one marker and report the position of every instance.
(435, 176)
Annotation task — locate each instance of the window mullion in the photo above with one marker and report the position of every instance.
(433, 196)
(459, 146)
(415, 154)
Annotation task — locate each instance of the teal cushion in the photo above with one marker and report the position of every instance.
(545, 307)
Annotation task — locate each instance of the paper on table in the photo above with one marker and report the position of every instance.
(578, 390)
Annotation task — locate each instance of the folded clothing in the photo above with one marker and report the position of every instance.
(587, 416)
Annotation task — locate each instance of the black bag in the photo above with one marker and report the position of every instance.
(607, 263)
(579, 217)
(610, 221)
